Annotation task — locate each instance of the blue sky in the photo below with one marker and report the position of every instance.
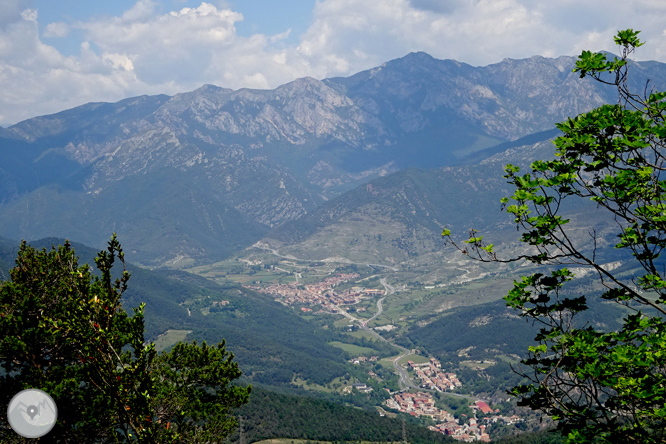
(58, 54)
(259, 16)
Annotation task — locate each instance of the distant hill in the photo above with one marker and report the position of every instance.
(398, 218)
(397, 221)
(272, 344)
(197, 176)
(272, 415)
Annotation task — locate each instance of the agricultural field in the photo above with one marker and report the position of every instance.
(170, 338)
(354, 350)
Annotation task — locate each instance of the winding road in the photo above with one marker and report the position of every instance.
(389, 291)
(405, 382)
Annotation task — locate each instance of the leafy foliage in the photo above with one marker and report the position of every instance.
(194, 392)
(63, 329)
(601, 386)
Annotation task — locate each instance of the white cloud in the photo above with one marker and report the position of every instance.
(29, 15)
(170, 47)
(119, 61)
(56, 30)
(37, 79)
(11, 9)
(474, 31)
(142, 10)
(143, 51)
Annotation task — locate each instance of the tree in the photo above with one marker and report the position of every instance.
(63, 330)
(601, 386)
(193, 395)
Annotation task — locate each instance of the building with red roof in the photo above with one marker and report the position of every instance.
(484, 407)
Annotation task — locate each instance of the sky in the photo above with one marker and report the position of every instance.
(57, 54)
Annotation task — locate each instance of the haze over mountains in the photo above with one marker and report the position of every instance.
(200, 175)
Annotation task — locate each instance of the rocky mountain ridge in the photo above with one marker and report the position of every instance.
(200, 174)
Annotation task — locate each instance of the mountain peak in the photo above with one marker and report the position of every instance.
(210, 158)
(416, 60)
(307, 80)
(418, 55)
(209, 88)
(302, 83)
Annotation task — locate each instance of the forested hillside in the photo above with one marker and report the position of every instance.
(272, 344)
(273, 415)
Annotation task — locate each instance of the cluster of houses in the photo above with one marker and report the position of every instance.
(418, 404)
(321, 293)
(475, 429)
(362, 359)
(330, 282)
(470, 432)
(423, 404)
(432, 377)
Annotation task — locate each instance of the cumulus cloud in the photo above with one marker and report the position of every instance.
(348, 33)
(147, 50)
(11, 9)
(37, 79)
(139, 52)
(56, 30)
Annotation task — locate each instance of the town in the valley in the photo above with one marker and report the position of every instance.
(430, 375)
(321, 293)
(474, 429)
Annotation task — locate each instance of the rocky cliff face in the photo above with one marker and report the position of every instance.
(233, 164)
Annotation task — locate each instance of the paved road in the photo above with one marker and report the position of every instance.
(405, 382)
(389, 291)
(380, 309)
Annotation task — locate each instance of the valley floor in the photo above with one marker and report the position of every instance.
(372, 313)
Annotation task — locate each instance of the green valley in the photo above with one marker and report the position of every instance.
(303, 226)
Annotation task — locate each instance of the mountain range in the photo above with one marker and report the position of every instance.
(365, 169)
(195, 177)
